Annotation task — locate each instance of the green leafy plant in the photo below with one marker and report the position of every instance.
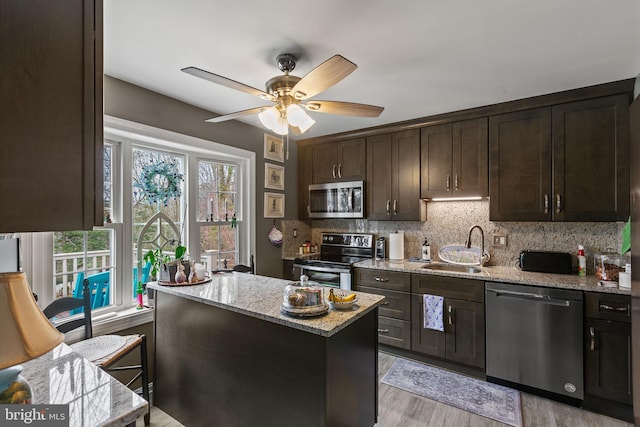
(156, 258)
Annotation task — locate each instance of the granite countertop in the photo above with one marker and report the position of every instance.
(94, 397)
(261, 297)
(501, 274)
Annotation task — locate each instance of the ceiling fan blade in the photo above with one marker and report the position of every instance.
(237, 114)
(323, 77)
(344, 108)
(197, 72)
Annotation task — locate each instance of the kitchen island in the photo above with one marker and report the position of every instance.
(226, 355)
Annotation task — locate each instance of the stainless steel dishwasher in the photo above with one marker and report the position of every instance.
(534, 339)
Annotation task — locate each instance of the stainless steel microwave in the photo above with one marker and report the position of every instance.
(337, 200)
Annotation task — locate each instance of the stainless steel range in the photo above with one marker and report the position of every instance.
(338, 253)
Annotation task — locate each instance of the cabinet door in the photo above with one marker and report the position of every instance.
(405, 176)
(465, 332)
(378, 188)
(520, 166)
(352, 160)
(325, 162)
(608, 360)
(470, 167)
(305, 167)
(427, 341)
(436, 160)
(51, 115)
(591, 160)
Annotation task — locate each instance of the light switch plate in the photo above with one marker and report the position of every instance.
(499, 240)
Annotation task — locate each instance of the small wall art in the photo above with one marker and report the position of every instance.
(273, 148)
(273, 205)
(273, 176)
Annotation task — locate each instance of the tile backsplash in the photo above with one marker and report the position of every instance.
(448, 223)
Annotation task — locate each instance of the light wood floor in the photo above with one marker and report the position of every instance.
(399, 408)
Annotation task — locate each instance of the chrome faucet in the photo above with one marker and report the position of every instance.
(468, 244)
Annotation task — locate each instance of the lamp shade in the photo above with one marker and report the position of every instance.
(25, 332)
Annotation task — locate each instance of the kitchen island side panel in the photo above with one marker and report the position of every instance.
(219, 367)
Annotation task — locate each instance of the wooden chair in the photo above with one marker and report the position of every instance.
(240, 268)
(104, 350)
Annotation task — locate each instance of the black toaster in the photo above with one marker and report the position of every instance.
(546, 262)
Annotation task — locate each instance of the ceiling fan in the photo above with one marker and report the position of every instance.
(291, 95)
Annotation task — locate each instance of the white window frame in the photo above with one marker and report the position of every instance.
(37, 247)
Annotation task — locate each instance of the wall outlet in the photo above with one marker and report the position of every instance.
(499, 240)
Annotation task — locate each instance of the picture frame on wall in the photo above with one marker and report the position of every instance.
(273, 205)
(273, 176)
(273, 148)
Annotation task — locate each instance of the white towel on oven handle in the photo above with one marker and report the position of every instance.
(433, 312)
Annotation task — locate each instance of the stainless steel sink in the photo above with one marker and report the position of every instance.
(453, 267)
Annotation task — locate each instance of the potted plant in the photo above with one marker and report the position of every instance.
(169, 267)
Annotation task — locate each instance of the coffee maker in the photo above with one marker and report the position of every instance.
(381, 248)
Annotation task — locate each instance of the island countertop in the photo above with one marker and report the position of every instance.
(500, 274)
(261, 297)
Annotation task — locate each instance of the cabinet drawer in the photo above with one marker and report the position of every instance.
(608, 307)
(396, 305)
(391, 280)
(394, 332)
(450, 287)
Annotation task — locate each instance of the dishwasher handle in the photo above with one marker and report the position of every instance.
(530, 296)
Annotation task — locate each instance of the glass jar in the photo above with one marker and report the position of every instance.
(607, 265)
(303, 294)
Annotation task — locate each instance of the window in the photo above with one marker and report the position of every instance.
(218, 214)
(57, 262)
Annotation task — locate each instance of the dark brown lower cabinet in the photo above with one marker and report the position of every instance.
(463, 338)
(607, 355)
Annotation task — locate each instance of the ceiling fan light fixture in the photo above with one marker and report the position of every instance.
(269, 116)
(298, 118)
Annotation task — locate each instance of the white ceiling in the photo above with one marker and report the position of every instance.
(415, 58)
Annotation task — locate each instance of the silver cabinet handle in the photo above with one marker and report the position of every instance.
(592, 338)
(607, 307)
(450, 315)
(395, 207)
(340, 170)
(388, 207)
(333, 171)
(384, 303)
(383, 331)
(380, 279)
(558, 203)
(456, 182)
(448, 182)
(546, 204)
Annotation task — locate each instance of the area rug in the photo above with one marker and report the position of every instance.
(470, 394)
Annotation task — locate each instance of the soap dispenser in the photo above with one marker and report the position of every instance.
(426, 251)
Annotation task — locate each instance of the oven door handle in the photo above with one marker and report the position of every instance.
(323, 269)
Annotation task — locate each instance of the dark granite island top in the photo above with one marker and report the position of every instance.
(226, 355)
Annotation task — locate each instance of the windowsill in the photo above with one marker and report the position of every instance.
(113, 322)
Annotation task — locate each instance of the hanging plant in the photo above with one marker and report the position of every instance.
(160, 182)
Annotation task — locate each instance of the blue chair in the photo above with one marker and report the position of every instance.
(100, 288)
(77, 293)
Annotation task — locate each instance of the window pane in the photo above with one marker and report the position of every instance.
(84, 254)
(217, 191)
(158, 186)
(108, 183)
(218, 243)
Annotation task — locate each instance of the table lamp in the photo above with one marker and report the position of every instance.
(25, 333)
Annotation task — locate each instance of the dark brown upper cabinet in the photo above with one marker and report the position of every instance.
(591, 160)
(393, 177)
(305, 168)
(454, 159)
(569, 162)
(339, 161)
(51, 170)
